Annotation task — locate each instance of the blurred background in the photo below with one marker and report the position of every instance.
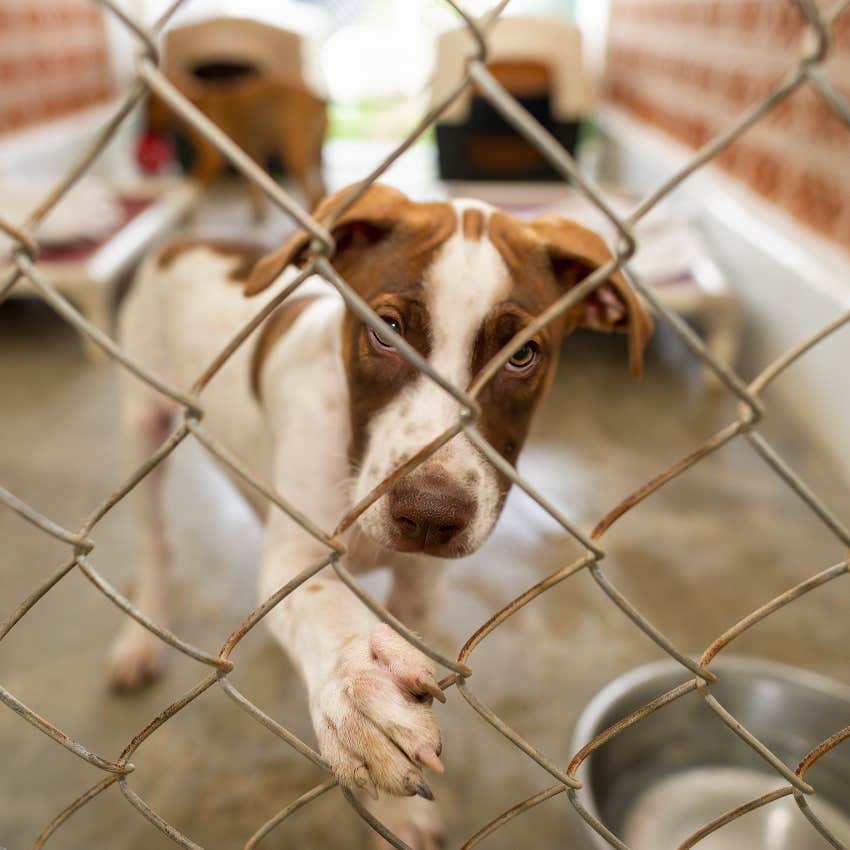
(752, 251)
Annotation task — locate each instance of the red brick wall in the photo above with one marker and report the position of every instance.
(691, 66)
(53, 60)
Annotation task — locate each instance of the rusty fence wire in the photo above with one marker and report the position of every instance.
(697, 673)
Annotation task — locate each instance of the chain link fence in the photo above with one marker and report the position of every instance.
(697, 673)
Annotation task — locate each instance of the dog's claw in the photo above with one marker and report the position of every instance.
(423, 790)
(428, 685)
(432, 760)
(415, 784)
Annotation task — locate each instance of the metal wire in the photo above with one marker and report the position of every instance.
(697, 673)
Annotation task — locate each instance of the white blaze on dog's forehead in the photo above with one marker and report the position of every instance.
(465, 282)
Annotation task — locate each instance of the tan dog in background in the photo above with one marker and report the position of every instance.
(264, 115)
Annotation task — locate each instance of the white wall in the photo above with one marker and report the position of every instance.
(791, 281)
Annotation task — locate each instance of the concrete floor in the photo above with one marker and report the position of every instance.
(695, 558)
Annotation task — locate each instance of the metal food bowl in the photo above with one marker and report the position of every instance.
(671, 773)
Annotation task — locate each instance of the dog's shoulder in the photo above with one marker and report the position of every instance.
(298, 336)
(272, 332)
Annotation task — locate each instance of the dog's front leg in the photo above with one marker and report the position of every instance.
(413, 598)
(416, 590)
(370, 691)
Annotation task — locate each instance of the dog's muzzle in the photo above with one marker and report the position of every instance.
(430, 516)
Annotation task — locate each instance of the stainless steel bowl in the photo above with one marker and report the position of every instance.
(662, 779)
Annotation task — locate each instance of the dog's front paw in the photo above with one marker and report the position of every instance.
(374, 719)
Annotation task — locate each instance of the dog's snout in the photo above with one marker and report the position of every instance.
(431, 518)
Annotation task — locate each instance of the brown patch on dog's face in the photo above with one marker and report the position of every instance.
(376, 373)
(511, 397)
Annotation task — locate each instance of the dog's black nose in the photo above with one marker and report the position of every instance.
(429, 516)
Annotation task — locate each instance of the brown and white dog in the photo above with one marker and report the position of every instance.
(327, 408)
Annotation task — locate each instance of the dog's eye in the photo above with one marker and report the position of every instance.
(382, 341)
(523, 358)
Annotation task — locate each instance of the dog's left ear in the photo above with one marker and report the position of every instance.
(575, 252)
(369, 218)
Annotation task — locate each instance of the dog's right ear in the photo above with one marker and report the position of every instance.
(371, 217)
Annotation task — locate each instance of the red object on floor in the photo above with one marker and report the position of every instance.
(153, 152)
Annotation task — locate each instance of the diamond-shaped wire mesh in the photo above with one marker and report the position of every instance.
(697, 674)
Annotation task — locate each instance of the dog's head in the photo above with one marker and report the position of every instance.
(457, 280)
